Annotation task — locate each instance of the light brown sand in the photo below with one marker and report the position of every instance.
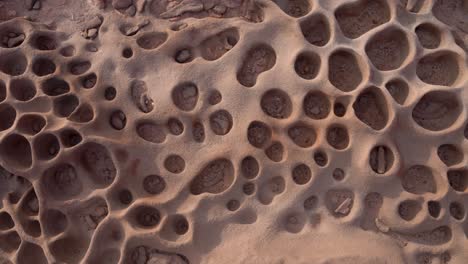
(233, 131)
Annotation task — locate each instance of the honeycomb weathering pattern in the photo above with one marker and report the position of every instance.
(233, 131)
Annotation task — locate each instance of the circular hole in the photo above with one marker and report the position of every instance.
(316, 105)
(429, 35)
(30, 124)
(250, 167)
(233, 205)
(67, 51)
(147, 216)
(174, 126)
(275, 152)
(307, 65)
(381, 159)
(22, 89)
(14, 63)
(409, 209)
(127, 53)
(118, 120)
(320, 158)
(16, 151)
(259, 134)
(55, 86)
(398, 89)
(185, 96)
(83, 114)
(249, 188)
(337, 137)
(301, 174)
(140, 96)
(6, 222)
(180, 225)
(11, 37)
(371, 108)
(294, 222)
(151, 132)
(458, 179)
(437, 110)
(434, 208)
(46, 146)
(174, 164)
(339, 202)
(65, 105)
(338, 174)
(276, 103)
(44, 42)
(151, 40)
(457, 210)
(70, 138)
(198, 131)
(79, 67)
(449, 154)
(110, 93)
(419, 179)
(154, 184)
(439, 68)
(215, 97)
(388, 49)
(7, 116)
(125, 197)
(43, 66)
(30, 204)
(314, 28)
(344, 70)
(89, 81)
(256, 60)
(215, 177)
(32, 228)
(339, 109)
(310, 202)
(302, 135)
(221, 122)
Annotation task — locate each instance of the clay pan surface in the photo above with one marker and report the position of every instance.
(233, 131)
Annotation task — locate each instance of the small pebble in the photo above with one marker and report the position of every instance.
(94, 22)
(132, 31)
(121, 4)
(16, 41)
(219, 9)
(144, 23)
(37, 5)
(92, 33)
(110, 93)
(118, 120)
(131, 11)
(183, 56)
